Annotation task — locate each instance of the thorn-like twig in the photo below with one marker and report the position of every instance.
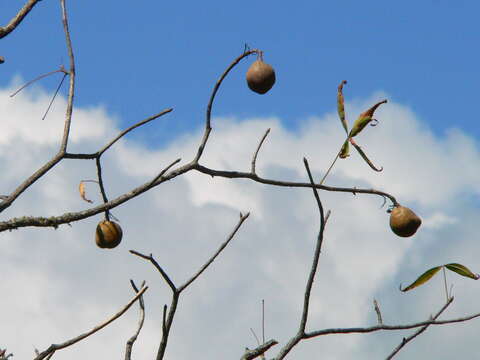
(377, 310)
(62, 69)
(54, 96)
(254, 160)
(131, 341)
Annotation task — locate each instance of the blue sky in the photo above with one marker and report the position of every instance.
(136, 60)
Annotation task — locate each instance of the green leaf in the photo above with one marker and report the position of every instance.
(345, 151)
(367, 160)
(364, 119)
(341, 107)
(422, 279)
(462, 270)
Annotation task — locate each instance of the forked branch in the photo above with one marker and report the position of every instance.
(168, 319)
(55, 347)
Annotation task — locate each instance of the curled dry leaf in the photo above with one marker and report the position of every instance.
(81, 189)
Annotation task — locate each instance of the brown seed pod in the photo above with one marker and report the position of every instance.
(260, 77)
(404, 222)
(108, 234)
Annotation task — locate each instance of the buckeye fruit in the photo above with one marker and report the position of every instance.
(260, 77)
(403, 221)
(108, 234)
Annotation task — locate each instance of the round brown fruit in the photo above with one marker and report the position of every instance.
(108, 234)
(260, 77)
(404, 222)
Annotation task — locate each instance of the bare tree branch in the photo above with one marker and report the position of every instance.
(158, 267)
(254, 177)
(208, 115)
(254, 160)
(258, 351)
(55, 221)
(405, 341)
(61, 69)
(362, 330)
(377, 310)
(55, 347)
(118, 137)
(214, 256)
(168, 320)
(126, 131)
(71, 72)
(311, 277)
(131, 341)
(18, 18)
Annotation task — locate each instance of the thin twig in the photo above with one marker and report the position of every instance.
(311, 277)
(260, 350)
(263, 321)
(71, 72)
(214, 256)
(377, 310)
(126, 131)
(131, 341)
(254, 160)
(418, 332)
(62, 69)
(102, 188)
(255, 336)
(168, 325)
(17, 19)
(54, 347)
(208, 114)
(316, 255)
(158, 267)
(164, 319)
(445, 282)
(161, 173)
(54, 96)
(330, 168)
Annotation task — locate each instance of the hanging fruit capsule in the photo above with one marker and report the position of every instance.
(404, 222)
(108, 234)
(260, 76)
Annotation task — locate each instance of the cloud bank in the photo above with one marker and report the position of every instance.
(57, 283)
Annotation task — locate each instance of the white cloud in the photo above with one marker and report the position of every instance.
(58, 284)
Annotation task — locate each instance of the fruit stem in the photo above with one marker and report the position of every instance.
(445, 282)
(333, 163)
